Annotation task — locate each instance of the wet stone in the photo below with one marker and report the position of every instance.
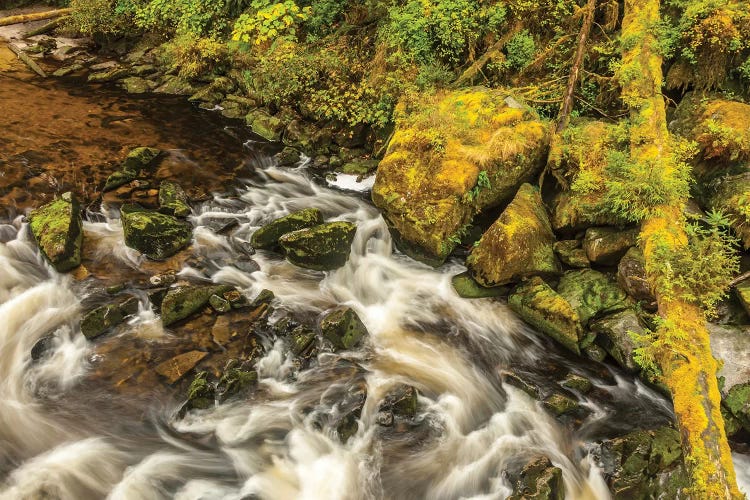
(343, 328)
(182, 302)
(43, 347)
(267, 236)
(577, 383)
(201, 394)
(322, 248)
(58, 230)
(467, 287)
(219, 304)
(173, 200)
(177, 367)
(101, 319)
(539, 480)
(401, 401)
(154, 234)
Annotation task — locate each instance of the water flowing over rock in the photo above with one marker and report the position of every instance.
(268, 235)
(539, 480)
(101, 319)
(57, 229)
(450, 157)
(517, 245)
(154, 234)
(323, 248)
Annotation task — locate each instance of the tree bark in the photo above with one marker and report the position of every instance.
(685, 360)
(37, 16)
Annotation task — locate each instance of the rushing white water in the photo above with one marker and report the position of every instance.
(470, 427)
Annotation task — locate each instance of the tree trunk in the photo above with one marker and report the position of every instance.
(37, 16)
(686, 363)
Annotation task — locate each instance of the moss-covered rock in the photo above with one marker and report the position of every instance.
(135, 162)
(743, 293)
(543, 308)
(606, 245)
(614, 335)
(359, 166)
(591, 293)
(517, 245)
(58, 230)
(173, 200)
(268, 127)
(468, 288)
(571, 214)
(324, 247)
(631, 276)
(101, 319)
(136, 85)
(452, 155)
(737, 401)
(201, 393)
(343, 328)
(154, 234)
(235, 380)
(110, 75)
(181, 302)
(539, 480)
(731, 195)
(219, 304)
(559, 404)
(401, 401)
(571, 254)
(302, 340)
(577, 383)
(267, 236)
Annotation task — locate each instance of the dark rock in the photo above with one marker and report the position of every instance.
(58, 230)
(154, 234)
(181, 302)
(560, 404)
(577, 383)
(571, 254)
(42, 347)
(401, 401)
(235, 380)
(322, 248)
(343, 328)
(288, 157)
(162, 279)
(360, 166)
(101, 319)
(539, 480)
(173, 200)
(201, 393)
(520, 382)
(591, 293)
(606, 245)
(219, 304)
(543, 308)
(517, 245)
(595, 352)
(468, 288)
(303, 340)
(264, 297)
(268, 235)
(631, 276)
(614, 334)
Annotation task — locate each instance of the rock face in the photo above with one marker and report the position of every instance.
(181, 302)
(644, 464)
(450, 157)
(101, 319)
(591, 293)
(173, 200)
(58, 230)
(343, 328)
(324, 247)
(543, 308)
(606, 245)
(154, 234)
(539, 480)
(519, 243)
(631, 276)
(613, 334)
(267, 237)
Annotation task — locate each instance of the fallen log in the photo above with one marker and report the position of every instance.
(36, 16)
(27, 60)
(47, 27)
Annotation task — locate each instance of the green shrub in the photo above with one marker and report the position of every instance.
(194, 56)
(93, 17)
(520, 50)
(269, 22)
(184, 17)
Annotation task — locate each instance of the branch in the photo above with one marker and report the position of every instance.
(493, 51)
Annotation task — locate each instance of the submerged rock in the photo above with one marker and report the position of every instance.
(323, 248)
(267, 236)
(450, 157)
(101, 319)
(343, 328)
(173, 200)
(468, 288)
(517, 245)
(58, 230)
(177, 367)
(181, 302)
(137, 159)
(591, 293)
(606, 245)
(543, 308)
(154, 234)
(401, 401)
(539, 480)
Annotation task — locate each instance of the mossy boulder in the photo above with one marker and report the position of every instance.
(614, 334)
(343, 328)
(154, 234)
(539, 480)
(543, 308)
(517, 245)
(643, 465)
(267, 126)
(173, 200)
(452, 155)
(101, 319)
(323, 248)
(181, 302)
(591, 293)
(135, 162)
(267, 236)
(571, 254)
(58, 230)
(201, 393)
(631, 276)
(606, 245)
(571, 213)
(468, 288)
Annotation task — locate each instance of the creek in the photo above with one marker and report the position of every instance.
(90, 419)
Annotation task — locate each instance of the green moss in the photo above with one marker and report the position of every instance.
(324, 247)
(173, 200)
(101, 319)
(543, 308)
(571, 254)
(517, 245)
(200, 394)
(591, 293)
(560, 404)
(58, 230)
(539, 480)
(267, 236)
(268, 127)
(156, 235)
(468, 288)
(181, 302)
(343, 328)
(737, 401)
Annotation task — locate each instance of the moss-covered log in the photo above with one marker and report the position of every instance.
(681, 348)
